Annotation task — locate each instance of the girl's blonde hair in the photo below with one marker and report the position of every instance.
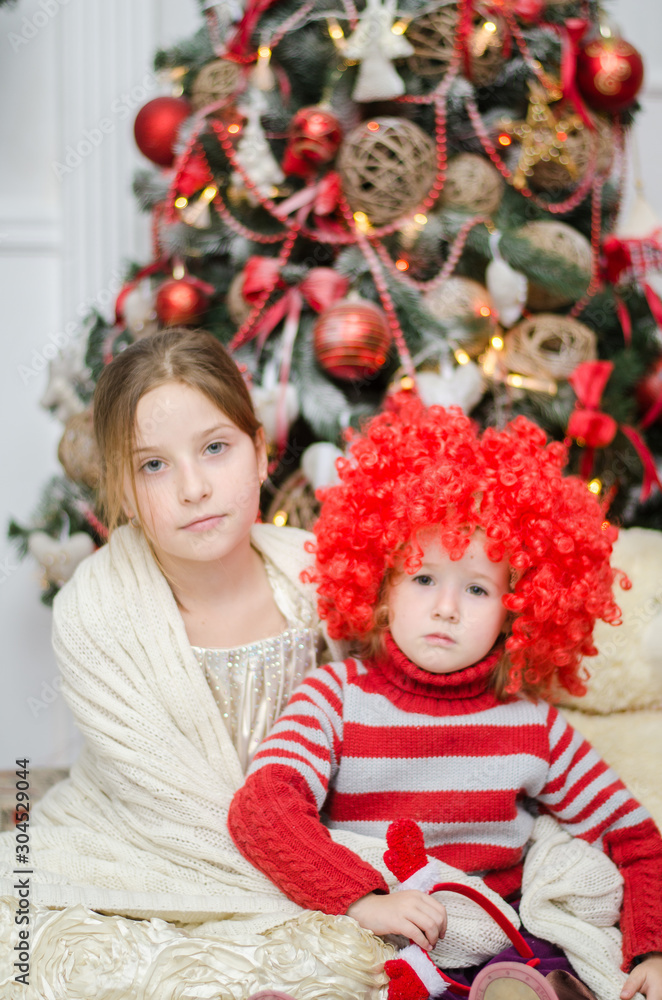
(192, 357)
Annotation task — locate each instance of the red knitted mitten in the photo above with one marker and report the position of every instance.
(407, 849)
(404, 984)
(413, 976)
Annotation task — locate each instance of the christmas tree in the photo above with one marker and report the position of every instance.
(363, 200)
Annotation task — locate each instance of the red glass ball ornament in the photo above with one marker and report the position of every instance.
(179, 301)
(609, 73)
(649, 390)
(352, 339)
(314, 135)
(156, 128)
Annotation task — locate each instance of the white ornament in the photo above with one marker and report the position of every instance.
(60, 557)
(270, 403)
(253, 152)
(318, 464)
(462, 386)
(507, 287)
(228, 13)
(374, 44)
(60, 395)
(641, 220)
(139, 310)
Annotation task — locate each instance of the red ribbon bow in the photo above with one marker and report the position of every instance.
(597, 429)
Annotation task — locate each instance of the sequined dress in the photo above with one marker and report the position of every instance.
(253, 683)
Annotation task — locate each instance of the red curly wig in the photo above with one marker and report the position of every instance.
(413, 468)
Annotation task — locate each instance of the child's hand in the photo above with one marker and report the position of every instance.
(410, 912)
(645, 978)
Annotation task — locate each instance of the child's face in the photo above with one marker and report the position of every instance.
(197, 476)
(448, 614)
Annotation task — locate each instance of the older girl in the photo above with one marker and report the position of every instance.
(179, 643)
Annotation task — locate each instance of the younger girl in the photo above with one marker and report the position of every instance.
(179, 643)
(471, 573)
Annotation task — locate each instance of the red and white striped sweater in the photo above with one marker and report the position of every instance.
(364, 744)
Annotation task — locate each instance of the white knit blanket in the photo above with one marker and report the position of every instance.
(139, 828)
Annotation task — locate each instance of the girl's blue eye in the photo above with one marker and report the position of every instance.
(476, 590)
(216, 447)
(153, 465)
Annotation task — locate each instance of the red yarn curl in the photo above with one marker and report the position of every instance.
(413, 468)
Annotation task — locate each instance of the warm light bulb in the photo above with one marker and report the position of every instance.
(515, 380)
(373, 126)
(406, 383)
(402, 265)
(420, 218)
(233, 129)
(280, 518)
(264, 52)
(399, 27)
(462, 357)
(210, 193)
(336, 31)
(178, 272)
(595, 486)
(490, 27)
(181, 202)
(485, 311)
(497, 343)
(504, 139)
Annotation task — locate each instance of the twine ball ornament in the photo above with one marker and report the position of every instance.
(294, 503)
(78, 452)
(551, 174)
(472, 183)
(433, 37)
(467, 304)
(559, 240)
(352, 339)
(216, 81)
(486, 50)
(549, 345)
(386, 167)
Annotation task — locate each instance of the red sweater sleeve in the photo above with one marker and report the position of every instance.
(637, 852)
(591, 802)
(274, 822)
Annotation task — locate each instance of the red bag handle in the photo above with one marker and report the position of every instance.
(502, 920)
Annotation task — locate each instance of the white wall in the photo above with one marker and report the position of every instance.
(64, 66)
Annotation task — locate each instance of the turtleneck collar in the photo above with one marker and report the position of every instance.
(454, 693)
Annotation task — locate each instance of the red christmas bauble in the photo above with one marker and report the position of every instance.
(352, 339)
(609, 73)
(649, 390)
(314, 135)
(156, 128)
(180, 301)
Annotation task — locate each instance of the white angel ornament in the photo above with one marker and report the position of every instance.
(374, 44)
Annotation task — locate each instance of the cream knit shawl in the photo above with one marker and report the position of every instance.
(139, 827)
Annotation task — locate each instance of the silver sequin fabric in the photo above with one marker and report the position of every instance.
(253, 683)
